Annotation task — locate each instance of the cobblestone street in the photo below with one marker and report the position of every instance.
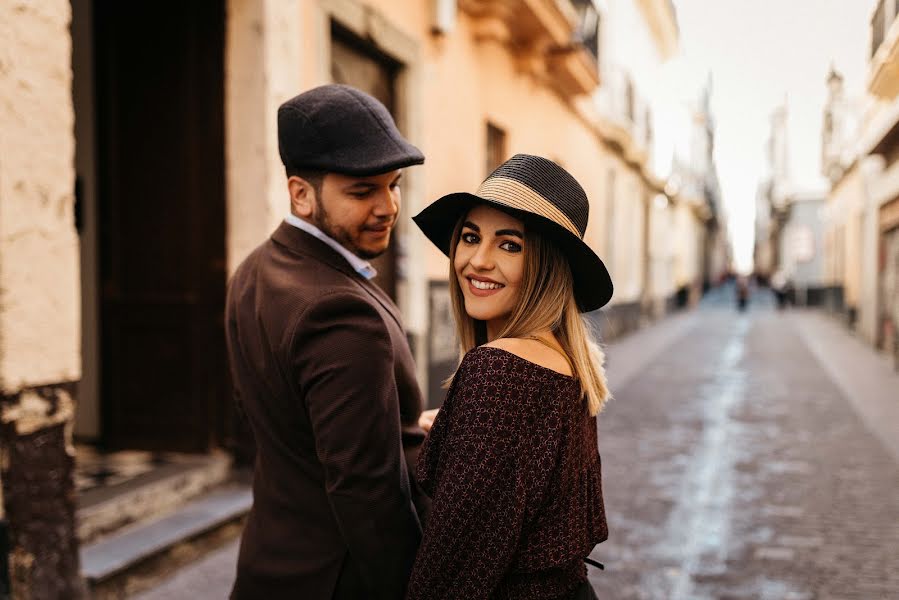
(735, 466)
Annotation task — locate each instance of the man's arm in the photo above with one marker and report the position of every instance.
(343, 365)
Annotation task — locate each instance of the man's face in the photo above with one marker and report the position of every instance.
(359, 212)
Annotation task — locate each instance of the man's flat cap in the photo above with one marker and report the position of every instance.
(339, 129)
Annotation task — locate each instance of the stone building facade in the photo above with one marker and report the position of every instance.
(860, 148)
(880, 291)
(772, 198)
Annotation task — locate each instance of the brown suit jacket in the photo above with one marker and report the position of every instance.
(323, 371)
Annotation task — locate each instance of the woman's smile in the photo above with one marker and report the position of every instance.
(482, 286)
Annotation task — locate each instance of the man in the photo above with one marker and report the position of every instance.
(322, 368)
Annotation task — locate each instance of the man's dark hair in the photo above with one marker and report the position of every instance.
(314, 177)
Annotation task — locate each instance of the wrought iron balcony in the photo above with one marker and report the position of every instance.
(547, 37)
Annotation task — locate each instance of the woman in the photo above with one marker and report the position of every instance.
(511, 461)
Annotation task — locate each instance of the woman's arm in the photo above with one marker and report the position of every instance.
(475, 520)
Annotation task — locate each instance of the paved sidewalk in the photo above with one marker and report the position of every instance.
(866, 377)
(209, 578)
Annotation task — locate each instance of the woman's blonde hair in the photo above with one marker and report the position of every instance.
(546, 302)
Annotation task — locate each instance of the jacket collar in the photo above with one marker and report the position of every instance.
(360, 265)
(300, 242)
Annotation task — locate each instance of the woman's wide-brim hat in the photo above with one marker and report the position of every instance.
(546, 197)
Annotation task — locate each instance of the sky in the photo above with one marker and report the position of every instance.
(760, 54)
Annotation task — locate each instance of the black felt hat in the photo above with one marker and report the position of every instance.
(339, 129)
(546, 197)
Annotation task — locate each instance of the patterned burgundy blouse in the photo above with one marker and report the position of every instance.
(513, 469)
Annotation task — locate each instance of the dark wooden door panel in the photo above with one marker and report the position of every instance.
(161, 156)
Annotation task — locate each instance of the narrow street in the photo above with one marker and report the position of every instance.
(735, 465)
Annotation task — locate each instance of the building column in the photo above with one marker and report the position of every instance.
(39, 299)
(263, 53)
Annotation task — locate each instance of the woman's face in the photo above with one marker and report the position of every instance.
(489, 265)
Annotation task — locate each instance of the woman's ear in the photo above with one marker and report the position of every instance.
(302, 196)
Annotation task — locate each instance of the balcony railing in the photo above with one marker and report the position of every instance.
(588, 27)
(547, 37)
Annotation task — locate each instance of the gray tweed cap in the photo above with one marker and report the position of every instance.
(337, 128)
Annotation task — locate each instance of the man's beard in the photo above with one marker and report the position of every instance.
(340, 235)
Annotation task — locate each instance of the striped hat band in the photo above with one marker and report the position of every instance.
(515, 194)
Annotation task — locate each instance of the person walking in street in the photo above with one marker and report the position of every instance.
(511, 461)
(742, 292)
(322, 369)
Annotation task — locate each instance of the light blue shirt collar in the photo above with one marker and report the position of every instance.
(361, 266)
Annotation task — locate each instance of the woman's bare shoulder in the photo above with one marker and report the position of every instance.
(533, 351)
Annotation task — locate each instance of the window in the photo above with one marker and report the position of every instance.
(629, 98)
(496, 147)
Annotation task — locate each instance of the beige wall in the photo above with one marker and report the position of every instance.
(619, 225)
(843, 261)
(39, 260)
(662, 252)
(881, 180)
(688, 236)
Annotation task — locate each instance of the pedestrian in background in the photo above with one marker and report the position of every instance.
(742, 292)
(511, 460)
(322, 368)
(779, 287)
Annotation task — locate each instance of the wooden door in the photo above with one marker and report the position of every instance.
(160, 126)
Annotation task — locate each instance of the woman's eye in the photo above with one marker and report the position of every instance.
(510, 246)
(470, 238)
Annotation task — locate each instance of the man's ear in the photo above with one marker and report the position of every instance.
(302, 196)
